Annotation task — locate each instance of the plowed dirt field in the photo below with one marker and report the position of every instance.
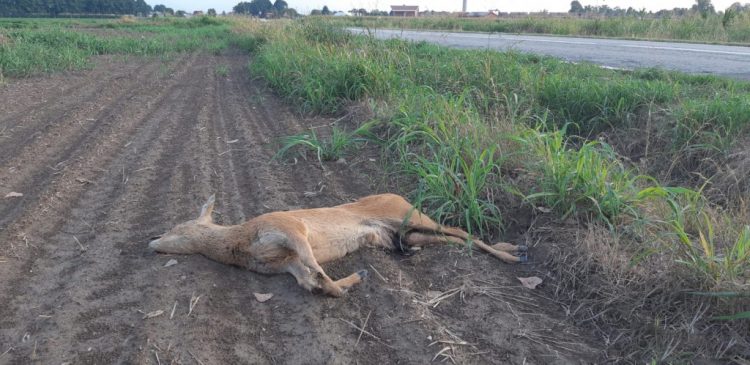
(107, 158)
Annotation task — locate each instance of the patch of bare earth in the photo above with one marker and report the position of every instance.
(107, 158)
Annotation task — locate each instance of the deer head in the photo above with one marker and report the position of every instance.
(188, 237)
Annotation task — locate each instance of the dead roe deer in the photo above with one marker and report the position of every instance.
(298, 241)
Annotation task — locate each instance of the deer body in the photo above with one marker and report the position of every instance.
(298, 241)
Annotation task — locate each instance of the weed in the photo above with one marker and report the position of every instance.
(587, 180)
(331, 149)
(222, 70)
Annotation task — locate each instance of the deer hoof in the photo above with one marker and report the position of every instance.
(363, 274)
(523, 258)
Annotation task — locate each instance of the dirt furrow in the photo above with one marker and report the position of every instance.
(107, 115)
(101, 231)
(57, 111)
(37, 224)
(46, 96)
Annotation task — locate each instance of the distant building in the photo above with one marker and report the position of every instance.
(405, 10)
(480, 14)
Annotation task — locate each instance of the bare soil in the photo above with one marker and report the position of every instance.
(107, 158)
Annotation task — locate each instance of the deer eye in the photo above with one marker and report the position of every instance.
(155, 237)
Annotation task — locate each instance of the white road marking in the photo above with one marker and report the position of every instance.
(687, 49)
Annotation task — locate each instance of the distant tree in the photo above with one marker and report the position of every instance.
(575, 7)
(242, 8)
(316, 12)
(255, 7)
(704, 7)
(325, 10)
(180, 13)
(211, 12)
(160, 8)
(739, 8)
(141, 8)
(729, 15)
(280, 6)
(55, 8)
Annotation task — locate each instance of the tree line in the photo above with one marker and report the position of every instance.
(702, 7)
(53, 8)
(265, 9)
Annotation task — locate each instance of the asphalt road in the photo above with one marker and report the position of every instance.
(729, 61)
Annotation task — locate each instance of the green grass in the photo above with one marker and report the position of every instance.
(332, 148)
(43, 46)
(474, 130)
(324, 76)
(689, 28)
(222, 70)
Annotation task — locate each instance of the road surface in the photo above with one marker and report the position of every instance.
(729, 61)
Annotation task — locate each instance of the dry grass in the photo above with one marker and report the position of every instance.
(731, 183)
(639, 310)
(127, 19)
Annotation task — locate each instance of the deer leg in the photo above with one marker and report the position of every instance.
(310, 275)
(312, 279)
(421, 239)
(351, 280)
(507, 247)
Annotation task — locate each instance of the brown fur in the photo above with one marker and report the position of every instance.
(298, 241)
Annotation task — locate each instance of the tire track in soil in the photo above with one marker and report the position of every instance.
(83, 307)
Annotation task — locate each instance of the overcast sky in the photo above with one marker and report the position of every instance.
(443, 5)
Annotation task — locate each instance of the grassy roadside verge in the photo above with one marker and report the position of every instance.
(32, 47)
(650, 262)
(713, 29)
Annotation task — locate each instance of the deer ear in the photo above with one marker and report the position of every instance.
(207, 209)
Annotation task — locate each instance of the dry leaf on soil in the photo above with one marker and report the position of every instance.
(13, 194)
(530, 282)
(263, 297)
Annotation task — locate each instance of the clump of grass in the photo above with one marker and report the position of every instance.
(325, 32)
(713, 121)
(324, 149)
(453, 187)
(222, 70)
(436, 140)
(579, 181)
